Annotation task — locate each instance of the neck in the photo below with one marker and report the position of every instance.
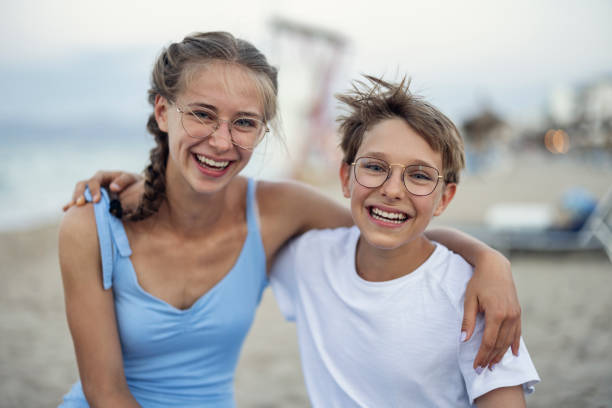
(378, 265)
(189, 213)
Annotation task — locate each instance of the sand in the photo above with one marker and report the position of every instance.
(565, 299)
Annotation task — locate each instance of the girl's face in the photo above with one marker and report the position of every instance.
(208, 164)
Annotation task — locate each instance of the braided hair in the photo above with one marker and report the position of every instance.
(170, 74)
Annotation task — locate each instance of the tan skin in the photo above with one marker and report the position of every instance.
(201, 226)
(491, 289)
(505, 397)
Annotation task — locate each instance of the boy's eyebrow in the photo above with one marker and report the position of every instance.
(383, 156)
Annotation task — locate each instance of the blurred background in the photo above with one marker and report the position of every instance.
(528, 83)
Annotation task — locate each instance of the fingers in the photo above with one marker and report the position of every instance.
(94, 187)
(470, 311)
(118, 182)
(121, 182)
(78, 197)
(501, 350)
(517, 340)
(501, 332)
(489, 339)
(505, 338)
(509, 336)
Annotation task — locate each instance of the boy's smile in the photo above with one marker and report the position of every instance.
(389, 216)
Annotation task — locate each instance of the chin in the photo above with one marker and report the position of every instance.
(382, 241)
(210, 182)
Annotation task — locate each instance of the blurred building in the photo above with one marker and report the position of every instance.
(487, 139)
(486, 129)
(585, 114)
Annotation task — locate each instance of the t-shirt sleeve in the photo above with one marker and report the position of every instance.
(283, 279)
(510, 371)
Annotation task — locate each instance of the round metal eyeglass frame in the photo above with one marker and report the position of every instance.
(230, 124)
(388, 169)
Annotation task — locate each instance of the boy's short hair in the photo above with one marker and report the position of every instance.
(369, 103)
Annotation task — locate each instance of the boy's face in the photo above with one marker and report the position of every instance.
(389, 216)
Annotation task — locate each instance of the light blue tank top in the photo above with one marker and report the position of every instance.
(172, 357)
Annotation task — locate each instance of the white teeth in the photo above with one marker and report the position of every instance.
(210, 162)
(394, 217)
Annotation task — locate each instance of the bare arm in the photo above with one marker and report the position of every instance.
(289, 208)
(507, 397)
(90, 312)
(309, 208)
(491, 290)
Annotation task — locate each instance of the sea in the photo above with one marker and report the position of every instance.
(40, 165)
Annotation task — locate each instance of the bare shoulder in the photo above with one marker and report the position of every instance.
(78, 225)
(78, 239)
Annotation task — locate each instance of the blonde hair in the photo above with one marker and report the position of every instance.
(368, 103)
(172, 71)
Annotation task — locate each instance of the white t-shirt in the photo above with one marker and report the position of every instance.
(384, 344)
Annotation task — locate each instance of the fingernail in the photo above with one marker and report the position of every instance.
(492, 367)
(80, 200)
(96, 197)
(114, 186)
(463, 336)
(479, 370)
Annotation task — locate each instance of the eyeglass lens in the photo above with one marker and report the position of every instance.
(200, 123)
(419, 180)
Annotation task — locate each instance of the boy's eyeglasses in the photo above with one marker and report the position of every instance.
(420, 180)
(245, 131)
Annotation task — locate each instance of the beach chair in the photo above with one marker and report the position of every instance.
(528, 227)
(599, 225)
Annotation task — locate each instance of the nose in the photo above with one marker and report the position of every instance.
(394, 187)
(221, 137)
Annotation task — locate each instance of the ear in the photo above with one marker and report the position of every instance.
(447, 195)
(161, 112)
(345, 178)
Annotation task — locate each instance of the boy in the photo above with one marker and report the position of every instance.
(379, 312)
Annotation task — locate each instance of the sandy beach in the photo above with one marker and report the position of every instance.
(565, 299)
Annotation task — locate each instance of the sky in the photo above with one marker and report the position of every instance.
(74, 74)
(79, 57)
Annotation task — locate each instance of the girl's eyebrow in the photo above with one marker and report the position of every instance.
(202, 105)
(214, 109)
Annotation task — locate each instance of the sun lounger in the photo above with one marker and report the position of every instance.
(528, 227)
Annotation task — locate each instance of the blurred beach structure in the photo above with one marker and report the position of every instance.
(87, 112)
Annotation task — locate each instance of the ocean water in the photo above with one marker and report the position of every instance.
(39, 167)
(38, 172)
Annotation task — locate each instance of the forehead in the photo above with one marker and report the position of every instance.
(397, 142)
(223, 85)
